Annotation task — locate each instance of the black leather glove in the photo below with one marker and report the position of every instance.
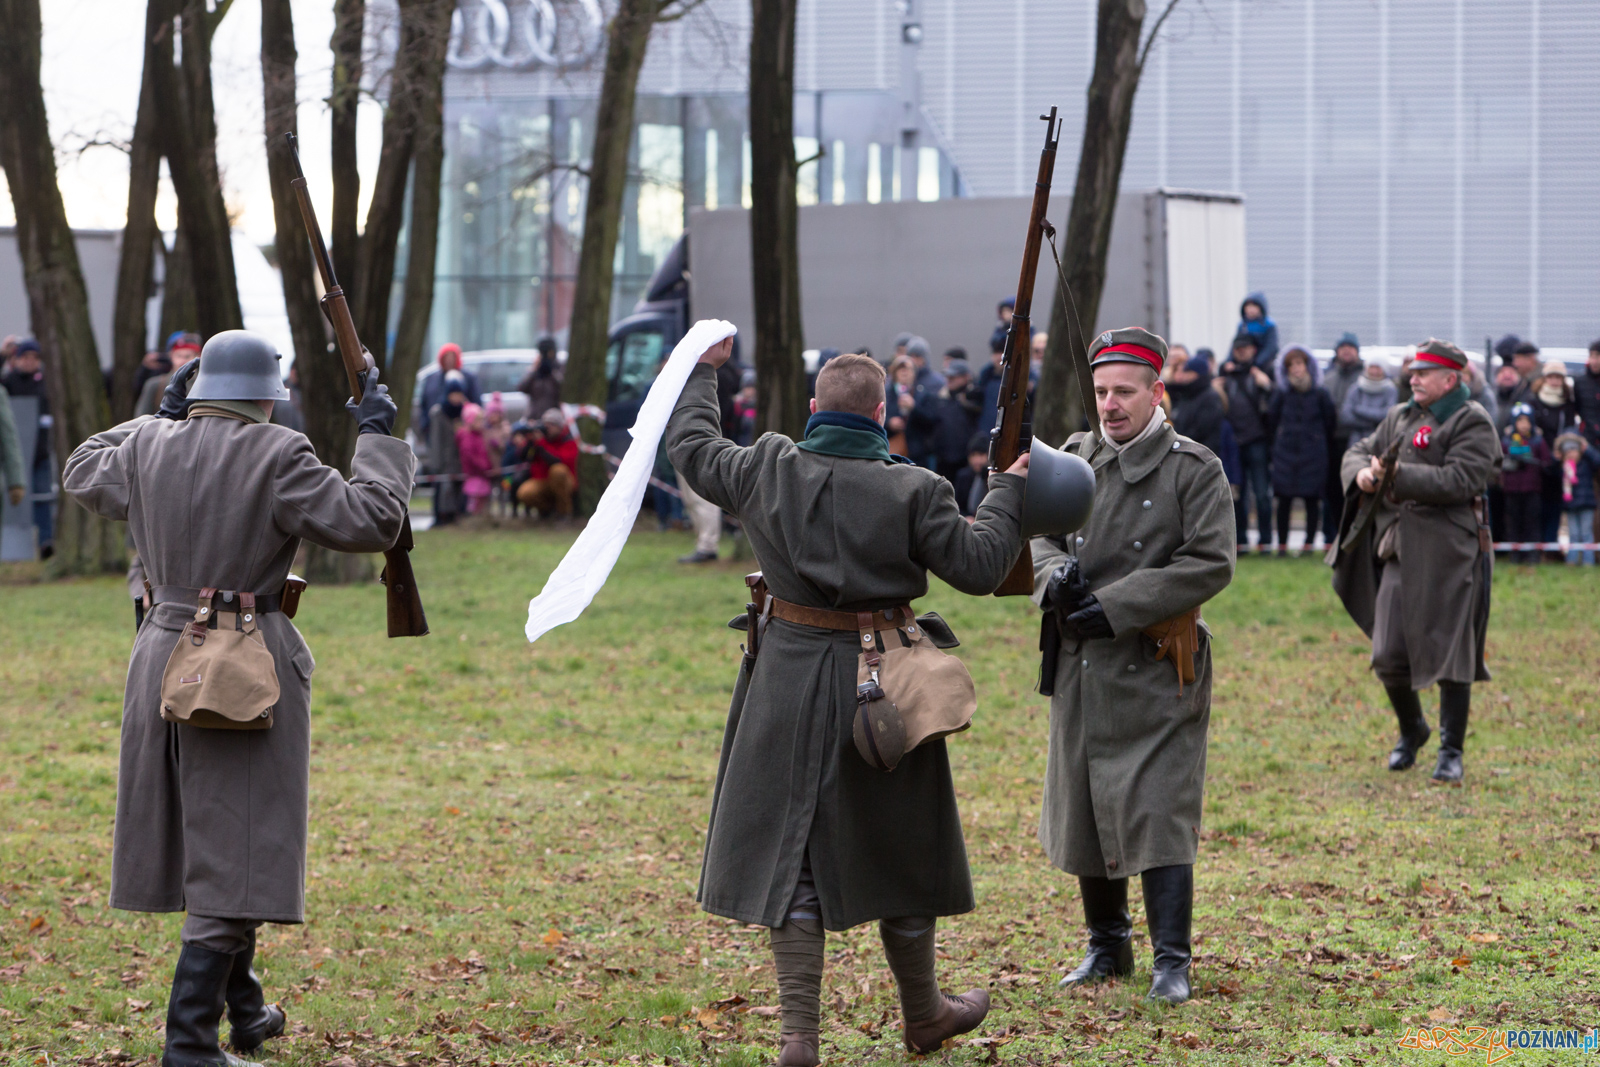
(376, 412)
(1067, 590)
(175, 398)
(1088, 621)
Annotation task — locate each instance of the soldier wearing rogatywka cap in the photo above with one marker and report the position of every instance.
(211, 810)
(1416, 580)
(1128, 666)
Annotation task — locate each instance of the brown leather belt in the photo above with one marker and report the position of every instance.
(224, 600)
(823, 619)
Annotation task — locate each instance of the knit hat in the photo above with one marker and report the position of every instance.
(1570, 439)
(957, 368)
(1441, 354)
(1131, 344)
(1520, 409)
(1506, 347)
(903, 339)
(1198, 364)
(1526, 348)
(1553, 367)
(1245, 337)
(449, 348)
(918, 347)
(1347, 338)
(27, 344)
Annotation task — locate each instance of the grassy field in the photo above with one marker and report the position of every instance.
(505, 840)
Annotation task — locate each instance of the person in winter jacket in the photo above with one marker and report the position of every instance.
(1522, 480)
(945, 420)
(434, 388)
(1249, 394)
(1555, 411)
(1365, 405)
(1254, 321)
(1578, 461)
(542, 383)
(988, 384)
(444, 457)
(1586, 388)
(972, 480)
(1340, 378)
(1198, 412)
(473, 447)
(552, 458)
(1303, 420)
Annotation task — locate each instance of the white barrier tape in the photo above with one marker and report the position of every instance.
(1545, 546)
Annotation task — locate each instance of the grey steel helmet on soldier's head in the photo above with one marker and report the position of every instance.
(239, 365)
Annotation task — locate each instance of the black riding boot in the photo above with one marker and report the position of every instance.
(199, 985)
(1168, 909)
(251, 1020)
(1105, 910)
(1414, 732)
(1455, 701)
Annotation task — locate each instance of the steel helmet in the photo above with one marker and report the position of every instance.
(238, 365)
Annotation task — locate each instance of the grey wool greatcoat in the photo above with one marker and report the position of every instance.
(1427, 610)
(1127, 765)
(214, 821)
(845, 534)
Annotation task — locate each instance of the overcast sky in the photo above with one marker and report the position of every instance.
(92, 63)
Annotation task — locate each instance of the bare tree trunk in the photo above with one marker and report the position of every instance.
(775, 222)
(415, 86)
(135, 271)
(348, 26)
(1118, 63)
(322, 380)
(178, 308)
(58, 303)
(627, 40)
(422, 245)
(190, 144)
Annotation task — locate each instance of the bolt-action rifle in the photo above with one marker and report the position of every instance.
(1012, 435)
(1370, 502)
(406, 618)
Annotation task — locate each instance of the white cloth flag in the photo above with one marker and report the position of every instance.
(587, 564)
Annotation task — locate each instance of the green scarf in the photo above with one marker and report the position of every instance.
(1448, 404)
(838, 433)
(243, 410)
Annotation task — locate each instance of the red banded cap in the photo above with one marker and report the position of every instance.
(1131, 344)
(1441, 354)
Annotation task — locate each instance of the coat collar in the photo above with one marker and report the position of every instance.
(1138, 460)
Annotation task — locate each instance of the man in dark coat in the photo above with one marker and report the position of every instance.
(1417, 581)
(1302, 418)
(1249, 388)
(1126, 776)
(213, 821)
(805, 835)
(1197, 408)
(1587, 389)
(1343, 374)
(946, 419)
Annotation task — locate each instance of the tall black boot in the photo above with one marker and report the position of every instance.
(1414, 732)
(1455, 701)
(251, 1020)
(1105, 910)
(1168, 909)
(199, 985)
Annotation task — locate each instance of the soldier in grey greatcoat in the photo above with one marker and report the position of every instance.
(1417, 580)
(213, 821)
(805, 835)
(1127, 765)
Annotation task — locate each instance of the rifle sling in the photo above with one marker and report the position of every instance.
(1080, 355)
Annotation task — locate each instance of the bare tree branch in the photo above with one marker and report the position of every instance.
(1155, 30)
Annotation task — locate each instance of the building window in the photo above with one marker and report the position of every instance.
(660, 191)
(808, 175)
(744, 190)
(927, 173)
(874, 173)
(894, 179)
(838, 171)
(711, 170)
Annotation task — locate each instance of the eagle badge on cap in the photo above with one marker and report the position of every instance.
(1105, 338)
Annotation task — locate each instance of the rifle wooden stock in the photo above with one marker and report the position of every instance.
(1011, 437)
(406, 617)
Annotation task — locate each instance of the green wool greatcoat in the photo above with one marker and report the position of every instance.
(214, 821)
(1127, 766)
(846, 534)
(1437, 616)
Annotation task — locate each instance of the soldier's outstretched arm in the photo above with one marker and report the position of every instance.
(314, 502)
(1200, 567)
(96, 474)
(714, 466)
(973, 557)
(1468, 465)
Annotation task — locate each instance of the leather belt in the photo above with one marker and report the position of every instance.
(823, 619)
(224, 600)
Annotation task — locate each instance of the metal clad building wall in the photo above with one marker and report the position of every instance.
(1568, 287)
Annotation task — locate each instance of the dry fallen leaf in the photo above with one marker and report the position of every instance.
(553, 937)
(1461, 961)
(1484, 939)
(1440, 1015)
(137, 1005)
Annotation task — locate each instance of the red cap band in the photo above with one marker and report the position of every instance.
(1128, 348)
(1429, 357)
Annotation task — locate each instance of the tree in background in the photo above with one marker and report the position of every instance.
(627, 39)
(58, 303)
(775, 222)
(1118, 63)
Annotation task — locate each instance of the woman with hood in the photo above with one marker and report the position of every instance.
(1555, 412)
(1198, 412)
(1254, 321)
(1302, 419)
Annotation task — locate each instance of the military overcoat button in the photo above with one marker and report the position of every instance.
(1111, 864)
(1085, 663)
(1147, 505)
(1080, 540)
(1138, 544)
(1174, 446)
(1132, 668)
